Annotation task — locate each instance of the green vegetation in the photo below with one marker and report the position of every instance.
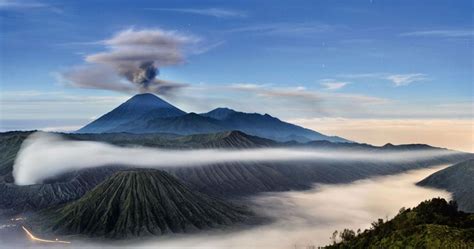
(432, 224)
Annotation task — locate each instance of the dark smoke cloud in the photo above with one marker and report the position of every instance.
(132, 61)
(146, 73)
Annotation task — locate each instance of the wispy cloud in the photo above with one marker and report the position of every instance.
(331, 84)
(201, 49)
(283, 28)
(406, 79)
(27, 5)
(281, 101)
(17, 105)
(449, 33)
(396, 79)
(214, 12)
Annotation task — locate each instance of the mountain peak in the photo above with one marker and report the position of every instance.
(224, 109)
(138, 95)
(144, 104)
(219, 113)
(148, 99)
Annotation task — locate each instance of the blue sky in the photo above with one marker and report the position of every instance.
(295, 60)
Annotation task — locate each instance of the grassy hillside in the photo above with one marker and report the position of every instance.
(432, 224)
(457, 179)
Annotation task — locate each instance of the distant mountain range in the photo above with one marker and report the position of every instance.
(147, 113)
(457, 179)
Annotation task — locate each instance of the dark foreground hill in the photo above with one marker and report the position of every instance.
(143, 202)
(457, 179)
(432, 224)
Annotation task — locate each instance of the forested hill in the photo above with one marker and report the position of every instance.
(432, 224)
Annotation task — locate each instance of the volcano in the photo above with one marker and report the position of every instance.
(139, 106)
(147, 113)
(144, 202)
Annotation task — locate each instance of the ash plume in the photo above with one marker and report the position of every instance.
(144, 75)
(131, 62)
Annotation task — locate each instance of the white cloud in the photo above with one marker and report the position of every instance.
(300, 93)
(281, 101)
(450, 33)
(331, 84)
(35, 164)
(28, 5)
(406, 79)
(214, 12)
(285, 29)
(39, 105)
(396, 79)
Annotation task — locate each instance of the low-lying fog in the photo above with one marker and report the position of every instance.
(45, 155)
(310, 217)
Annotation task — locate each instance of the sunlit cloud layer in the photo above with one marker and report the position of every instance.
(451, 133)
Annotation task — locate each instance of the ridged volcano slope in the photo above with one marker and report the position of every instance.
(72, 186)
(144, 202)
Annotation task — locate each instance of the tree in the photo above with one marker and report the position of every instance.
(347, 235)
(334, 237)
(377, 223)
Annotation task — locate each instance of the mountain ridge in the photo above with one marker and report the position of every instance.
(158, 116)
